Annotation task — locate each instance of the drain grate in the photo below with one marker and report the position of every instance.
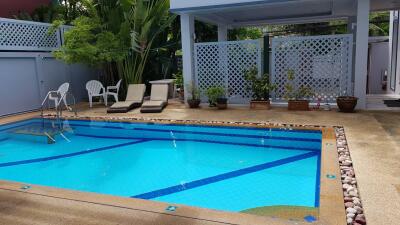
(25, 187)
(171, 208)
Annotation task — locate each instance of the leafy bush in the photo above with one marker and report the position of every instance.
(260, 86)
(194, 92)
(178, 76)
(293, 93)
(213, 93)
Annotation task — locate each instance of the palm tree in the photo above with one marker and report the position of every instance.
(147, 20)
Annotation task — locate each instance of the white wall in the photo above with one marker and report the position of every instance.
(393, 39)
(26, 77)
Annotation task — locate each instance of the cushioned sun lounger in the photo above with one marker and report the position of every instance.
(158, 99)
(134, 99)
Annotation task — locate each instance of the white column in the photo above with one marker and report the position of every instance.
(351, 29)
(394, 49)
(222, 32)
(361, 59)
(187, 33)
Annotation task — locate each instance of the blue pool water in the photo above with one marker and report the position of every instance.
(223, 168)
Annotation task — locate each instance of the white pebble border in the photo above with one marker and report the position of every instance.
(352, 202)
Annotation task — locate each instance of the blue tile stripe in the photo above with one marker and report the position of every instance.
(318, 181)
(16, 126)
(28, 161)
(205, 141)
(317, 140)
(232, 135)
(221, 177)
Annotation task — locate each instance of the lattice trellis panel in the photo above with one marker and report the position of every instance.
(323, 63)
(26, 35)
(224, 64)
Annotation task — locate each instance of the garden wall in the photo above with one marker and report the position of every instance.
(26, 77)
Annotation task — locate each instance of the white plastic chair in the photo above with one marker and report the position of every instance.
(96, 89)
(58, 96)
(111, 89)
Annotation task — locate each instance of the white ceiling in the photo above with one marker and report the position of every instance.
(283, 11)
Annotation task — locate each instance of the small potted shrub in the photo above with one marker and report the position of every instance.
(194, 98)
(297, 97)
(346, 104)
(217, 97)
(178, 76)
(260, 87)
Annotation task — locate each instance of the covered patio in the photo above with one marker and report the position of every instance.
(350, 64)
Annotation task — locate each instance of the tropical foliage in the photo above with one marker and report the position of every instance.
(214, 93)
(378, 26)
(116, 36)
(293, 92)
(66, 10)
(260, 86)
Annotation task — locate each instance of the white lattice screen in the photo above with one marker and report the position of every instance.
(323, 63)
(26, 35)
(224, 64)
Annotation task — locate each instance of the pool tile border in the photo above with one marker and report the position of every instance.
(332, 204)
(332, 208)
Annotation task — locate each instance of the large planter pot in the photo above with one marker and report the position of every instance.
(193, 103)
(258, 104)
(298, 105)
(222, 103)
(346, 104)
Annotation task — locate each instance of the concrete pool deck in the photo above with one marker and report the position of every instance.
(373, 139)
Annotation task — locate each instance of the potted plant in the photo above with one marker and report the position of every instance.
(346, 103)
(217, 97)
(297, 97)
(260, 87)
(178, 76)
(194, 98)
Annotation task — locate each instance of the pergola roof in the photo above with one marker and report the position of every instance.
(236, 13)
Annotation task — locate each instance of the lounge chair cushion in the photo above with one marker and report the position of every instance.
(134, 99)
(158, 99)
(152, 103)
(136, 92)
(159, 92)
(124, 104)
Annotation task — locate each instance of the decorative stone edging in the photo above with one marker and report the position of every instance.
(200, 122)
(352, 202)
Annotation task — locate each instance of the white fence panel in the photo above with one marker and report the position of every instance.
(323, 63)
(19, 35)
(224, 64)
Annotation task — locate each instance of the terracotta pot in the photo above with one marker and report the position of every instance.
(193, 103)
(222, 103)
(258, 104)
(346, 104)
(299, 105)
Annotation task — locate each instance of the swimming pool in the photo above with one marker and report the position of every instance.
(223, 168)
